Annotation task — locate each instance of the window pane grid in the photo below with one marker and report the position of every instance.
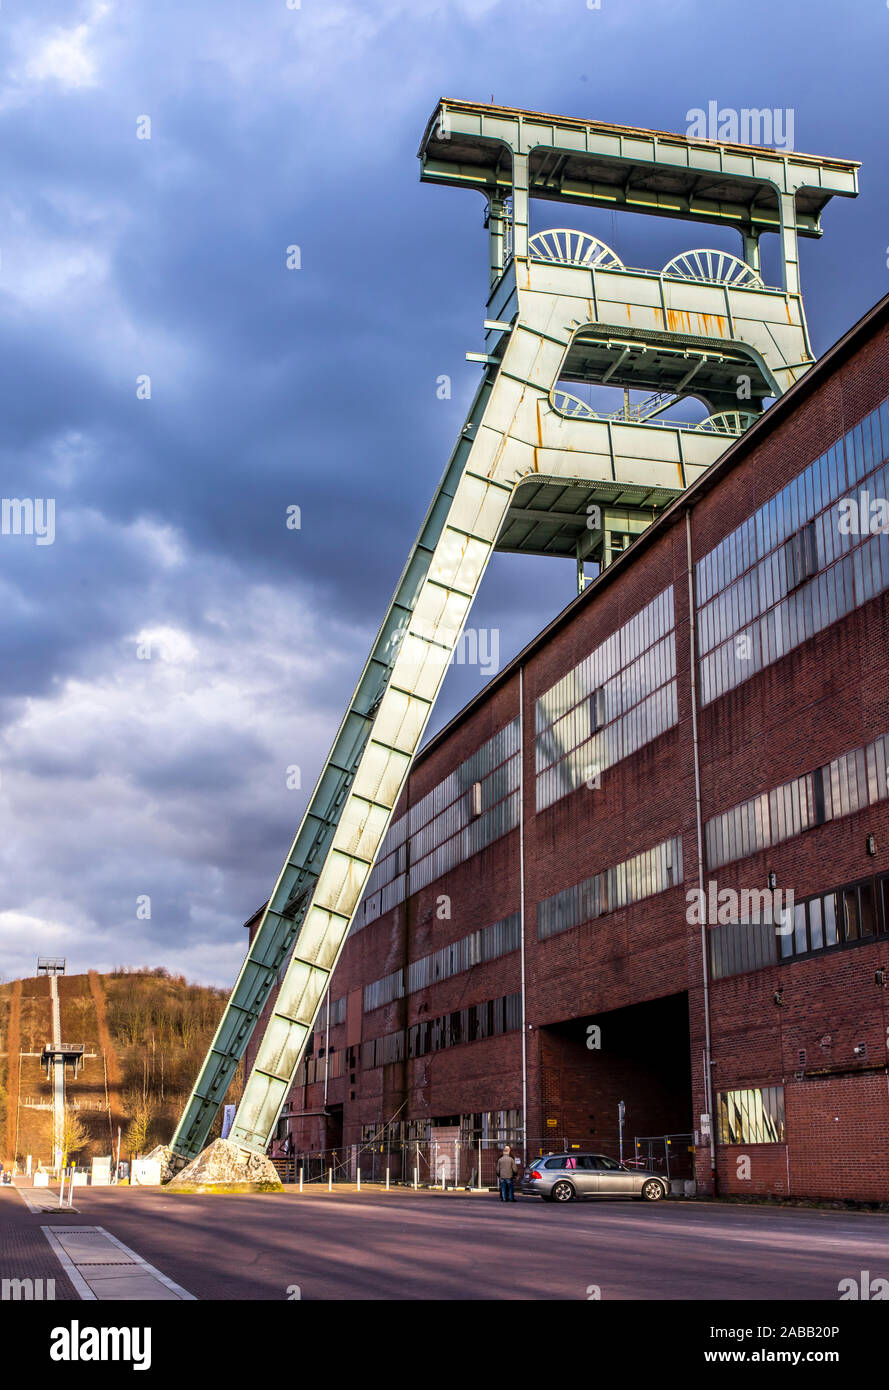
(441, 830)
(642, 876)
(744, 583)
(789, 809)
(616, 700)
(754, 1116)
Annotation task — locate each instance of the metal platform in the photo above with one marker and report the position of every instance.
(51, 965)
(69, 1054)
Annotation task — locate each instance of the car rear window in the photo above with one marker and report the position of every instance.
(556, 1162)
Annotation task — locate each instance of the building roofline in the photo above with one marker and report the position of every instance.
(608, 127)
(730, 459)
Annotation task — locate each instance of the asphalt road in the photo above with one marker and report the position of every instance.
(404, 1246)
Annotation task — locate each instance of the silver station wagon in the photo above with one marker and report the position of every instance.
(564, 1177)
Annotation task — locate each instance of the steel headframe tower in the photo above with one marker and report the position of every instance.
(534, 470)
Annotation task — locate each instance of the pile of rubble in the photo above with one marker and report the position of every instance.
(224, 1167)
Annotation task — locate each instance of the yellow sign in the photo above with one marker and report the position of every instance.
(551, 1124)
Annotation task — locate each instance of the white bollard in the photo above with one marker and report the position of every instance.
(62, 1190)
(359, 1179)
(330, 1179)
(387, 1179)
(71, 1187)
(300, 1179)
(416, 1178)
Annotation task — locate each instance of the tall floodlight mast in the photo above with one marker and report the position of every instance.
(535, 470)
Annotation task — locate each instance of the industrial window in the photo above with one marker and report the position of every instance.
(850, 782)
(792, 568)
(801, 555)
(652, 871)
(469, 809)
(485, 1020)
(818, 796)
(617, 699)
(751, 1117)
(736, 947)
(490, 943)
(597, 709)
(383, 991)
(492, 1127)
(841, 916)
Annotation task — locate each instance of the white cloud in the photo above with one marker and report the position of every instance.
(66, 56)
(147, 776)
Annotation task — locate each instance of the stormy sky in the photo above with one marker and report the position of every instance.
(177, 649)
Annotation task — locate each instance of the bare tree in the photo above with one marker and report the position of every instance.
(139, 1107)
(74, 1134)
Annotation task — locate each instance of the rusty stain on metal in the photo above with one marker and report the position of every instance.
(704, 325)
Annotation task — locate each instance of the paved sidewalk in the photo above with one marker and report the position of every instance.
(24, 1250)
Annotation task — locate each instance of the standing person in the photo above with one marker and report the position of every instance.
(507, 1168)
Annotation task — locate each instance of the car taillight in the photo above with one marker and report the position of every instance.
(534, 1174)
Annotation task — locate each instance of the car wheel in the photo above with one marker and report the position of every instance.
(563, 1192)
(652, 1191)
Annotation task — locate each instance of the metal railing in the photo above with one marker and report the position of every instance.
(449, 1163)
(430, 1163)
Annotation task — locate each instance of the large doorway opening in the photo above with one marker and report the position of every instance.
(639, 1055)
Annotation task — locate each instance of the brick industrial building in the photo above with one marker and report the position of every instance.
(530, 950)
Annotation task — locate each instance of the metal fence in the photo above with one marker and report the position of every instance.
(444, 1162)
(427, 1163)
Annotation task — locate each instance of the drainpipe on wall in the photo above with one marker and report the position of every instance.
(326, 1049)
(705, 964)
(522, 911)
